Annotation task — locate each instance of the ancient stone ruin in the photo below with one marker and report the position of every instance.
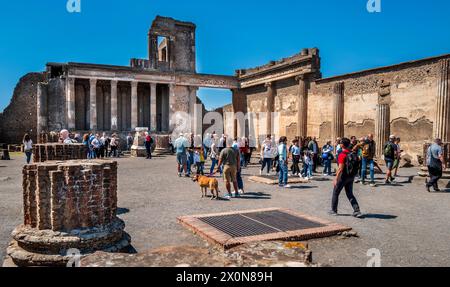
(56, 151)
(68, 206)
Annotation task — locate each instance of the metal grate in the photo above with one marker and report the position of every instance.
(258, 223)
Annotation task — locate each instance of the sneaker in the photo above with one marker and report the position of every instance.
(287, 186)
(357, 214)
(357, 180)
(228, 196)
(387, 182)
(179, 174)
(372, 184)
(260, 172)
(267, 174)
(437, 189)
(187, 175)
(362, 182)
(300, 176)
(241, 191)
(332, 213)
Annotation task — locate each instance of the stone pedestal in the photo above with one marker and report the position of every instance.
(162, 144)
(138, 148)
(69, 207)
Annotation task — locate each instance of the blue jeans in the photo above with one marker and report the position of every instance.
(283, 176)
(213, 165)
(327, 166)
(240, 182)
(28, 155)
(364, 163)
(266, 162)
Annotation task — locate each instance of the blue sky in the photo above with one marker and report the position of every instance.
(231, 34)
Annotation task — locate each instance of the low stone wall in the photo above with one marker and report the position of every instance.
(67, 205)
(56, 151)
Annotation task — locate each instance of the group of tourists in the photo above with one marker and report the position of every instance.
(99, 146)
(227, 156)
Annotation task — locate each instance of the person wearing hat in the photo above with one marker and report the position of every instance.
(390, 152)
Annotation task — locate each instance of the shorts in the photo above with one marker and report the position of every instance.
(229, 173)
(181, 158)
(389, 163)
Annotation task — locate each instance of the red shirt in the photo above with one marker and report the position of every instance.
(342, 156)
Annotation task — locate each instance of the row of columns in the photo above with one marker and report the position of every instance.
(302, 106)
(114, 103)
(442, 121)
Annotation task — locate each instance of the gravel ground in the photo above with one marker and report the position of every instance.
(409, 226)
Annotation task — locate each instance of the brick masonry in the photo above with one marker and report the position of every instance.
(70, 204)
(56, 151)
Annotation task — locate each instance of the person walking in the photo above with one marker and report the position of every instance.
(345, 175)
(129, 141)
(327, 157)
(283, 163)
(266, 156)
(296, 154)
(114, 144)
(398, 156)
(214, 156)
(239, 180)
(368, 149)
(95, 143)
(180, 146)
(148, 145)
(27, 147)
(390, 151)
(313, 146)
(229, 158)
(436, 164)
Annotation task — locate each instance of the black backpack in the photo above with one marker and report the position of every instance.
(351, 165)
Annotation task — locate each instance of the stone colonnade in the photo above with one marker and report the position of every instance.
(130, 104)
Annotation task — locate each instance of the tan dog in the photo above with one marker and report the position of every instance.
(207, 182)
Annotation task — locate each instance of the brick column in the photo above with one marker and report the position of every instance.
(442, 121)
(270, 106)
(382, 127)
(153, 124)
(302, 107)
(70, 99)
(134, 105)
(93, 104)
(337, 127)
(114, 116)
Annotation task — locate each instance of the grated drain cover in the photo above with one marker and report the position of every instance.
(233, 228)
(257, 223)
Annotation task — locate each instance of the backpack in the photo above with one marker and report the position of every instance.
(351, 164)
(388, 150)
(365, 151)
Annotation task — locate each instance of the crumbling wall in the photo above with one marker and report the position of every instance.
(20, 116)
(412, 89)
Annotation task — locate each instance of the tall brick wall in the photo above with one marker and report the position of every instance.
(20, 116)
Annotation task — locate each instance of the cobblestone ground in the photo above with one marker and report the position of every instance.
(409, 226)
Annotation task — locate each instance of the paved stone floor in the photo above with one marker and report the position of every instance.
(409, 226)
